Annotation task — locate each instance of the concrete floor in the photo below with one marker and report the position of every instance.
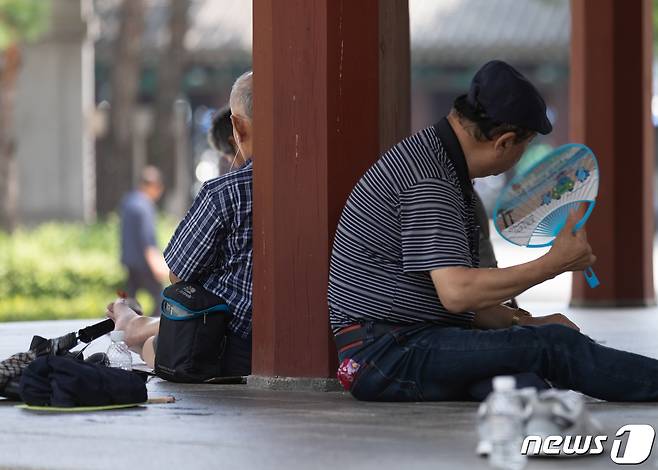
(232, 426)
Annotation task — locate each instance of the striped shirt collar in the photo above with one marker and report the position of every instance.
(454, 151)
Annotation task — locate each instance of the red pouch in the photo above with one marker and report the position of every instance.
(347, 372)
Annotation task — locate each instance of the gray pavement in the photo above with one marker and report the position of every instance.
(232, 426)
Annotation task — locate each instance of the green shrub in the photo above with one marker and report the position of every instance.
(64, 270)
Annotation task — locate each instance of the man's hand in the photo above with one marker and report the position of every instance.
(571, 251)
(523, 313)
(156, 263)
(555, 318)
(498, 317)
(173, 278)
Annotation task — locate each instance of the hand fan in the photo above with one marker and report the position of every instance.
(535, 204)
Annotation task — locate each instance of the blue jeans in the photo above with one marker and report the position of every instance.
(429, 362)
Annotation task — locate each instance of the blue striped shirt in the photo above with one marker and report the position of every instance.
(412, 212)
(212, 245)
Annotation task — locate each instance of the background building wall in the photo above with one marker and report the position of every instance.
(55, 104)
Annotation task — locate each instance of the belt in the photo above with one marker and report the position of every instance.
(353, 336)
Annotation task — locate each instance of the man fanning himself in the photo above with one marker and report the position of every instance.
(413, 316)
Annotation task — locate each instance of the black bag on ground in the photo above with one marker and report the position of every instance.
(67, 382)
(192, 334)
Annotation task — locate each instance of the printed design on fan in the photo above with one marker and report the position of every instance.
(533, 209)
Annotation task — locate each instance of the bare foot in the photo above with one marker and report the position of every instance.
(122, 314)
(137, 328)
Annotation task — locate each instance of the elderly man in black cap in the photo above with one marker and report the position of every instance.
(413, 315)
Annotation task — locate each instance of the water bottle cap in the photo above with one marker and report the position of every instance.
(117, 336)
(504, 383)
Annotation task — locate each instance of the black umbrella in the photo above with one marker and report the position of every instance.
(12, 368)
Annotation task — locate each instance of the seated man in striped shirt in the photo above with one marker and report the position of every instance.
(212, 246)
(413, 315)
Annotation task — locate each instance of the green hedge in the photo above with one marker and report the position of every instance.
(64, 270)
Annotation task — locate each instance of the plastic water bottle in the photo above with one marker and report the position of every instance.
(118, 353)
(502, 425)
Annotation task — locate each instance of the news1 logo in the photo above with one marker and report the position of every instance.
(639, 440)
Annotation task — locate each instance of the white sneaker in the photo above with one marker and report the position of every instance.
(550, 413)
(560, 413)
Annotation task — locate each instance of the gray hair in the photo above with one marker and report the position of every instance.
(242, 94)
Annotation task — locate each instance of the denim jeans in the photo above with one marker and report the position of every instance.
(236, 360)
(429, 362)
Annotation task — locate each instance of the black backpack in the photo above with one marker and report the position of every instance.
(192, 334)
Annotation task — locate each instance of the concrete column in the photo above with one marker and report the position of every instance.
(611, 58)
(317, 125)
(55, 104)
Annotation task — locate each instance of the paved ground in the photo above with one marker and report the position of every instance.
(232, 426)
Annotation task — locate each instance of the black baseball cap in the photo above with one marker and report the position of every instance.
(502, 94)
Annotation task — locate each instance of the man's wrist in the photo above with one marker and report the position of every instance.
(549, 268)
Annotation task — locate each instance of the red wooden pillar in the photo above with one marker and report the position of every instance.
(317, 107)
(611, 59)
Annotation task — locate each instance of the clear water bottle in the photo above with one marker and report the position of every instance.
(501, 424)
(118, 353)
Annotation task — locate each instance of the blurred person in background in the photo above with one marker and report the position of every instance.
(140, 254)
(212, 247)
(220, 138)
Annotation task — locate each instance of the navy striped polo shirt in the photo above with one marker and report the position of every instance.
(412, 212)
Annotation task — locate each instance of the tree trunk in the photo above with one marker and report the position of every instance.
(9, 67)
(114, 161)
(171, 67)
